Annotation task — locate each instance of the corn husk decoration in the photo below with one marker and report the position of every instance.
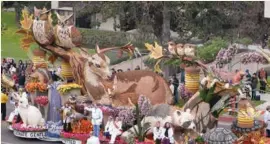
(66, 70)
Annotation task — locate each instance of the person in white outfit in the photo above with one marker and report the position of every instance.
(267, 121)
(97, 117)
(167, 134)
(108, 127)
(13, 113)
(158, 133)
(116, 129)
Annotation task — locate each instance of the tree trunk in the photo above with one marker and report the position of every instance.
(17, 13)
(166, 24)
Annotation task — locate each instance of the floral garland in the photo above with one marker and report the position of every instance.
(77, 136)
(18, 126)
(42, 100)
(68, 87)
(35, 86)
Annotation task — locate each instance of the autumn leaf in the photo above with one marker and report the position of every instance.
(27, 21)
(21, 31)
(155, 51)
(157, 67)
(52, 59)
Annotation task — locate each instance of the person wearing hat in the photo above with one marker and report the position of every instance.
(267, 121)
(4, 99)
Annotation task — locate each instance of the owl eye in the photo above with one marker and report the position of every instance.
(97, 65)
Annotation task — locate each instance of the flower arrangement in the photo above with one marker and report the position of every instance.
(82, 126)
(128, 115)
(67, 87)
(77, 136)
(253, 57)
(35, 86)
(224, 56)
(42, 100)
(18, 126)
(184, 93)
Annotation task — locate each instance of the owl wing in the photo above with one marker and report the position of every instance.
(76, 36)
(49, 31)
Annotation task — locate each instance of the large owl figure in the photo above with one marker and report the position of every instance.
(66, 34)
(42, 26)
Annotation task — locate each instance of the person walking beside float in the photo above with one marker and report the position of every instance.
(97, 117)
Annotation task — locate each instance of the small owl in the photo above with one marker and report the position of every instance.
(67, 35)
(42, 26)
(181, 49)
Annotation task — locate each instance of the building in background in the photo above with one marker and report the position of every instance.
(57, 6)
(267, 9)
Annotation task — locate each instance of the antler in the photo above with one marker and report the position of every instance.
(128, 46)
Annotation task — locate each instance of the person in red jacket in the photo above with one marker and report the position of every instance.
(15, 77)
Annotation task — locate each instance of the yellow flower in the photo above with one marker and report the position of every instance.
(155, 51)
(67, 87)
(157, 67)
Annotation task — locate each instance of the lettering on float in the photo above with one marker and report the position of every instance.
(29, 134)
(71, 141)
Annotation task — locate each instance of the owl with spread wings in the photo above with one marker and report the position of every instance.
(66, 34)
(42, 26)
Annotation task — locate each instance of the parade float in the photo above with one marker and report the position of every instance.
(91, 81)
(27, 126)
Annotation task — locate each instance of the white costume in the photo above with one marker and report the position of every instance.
(13, 114)
(93, 140)
(172, 88)
(170, 135)
(267, 119)
(115, 131)
(158, 133)
(97, 115)
(109, 126)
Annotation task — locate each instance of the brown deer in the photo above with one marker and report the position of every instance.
(93, 73)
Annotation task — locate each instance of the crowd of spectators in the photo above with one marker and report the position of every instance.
(14, 70)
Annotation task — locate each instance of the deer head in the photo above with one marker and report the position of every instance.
(97, 64)
(41, 14)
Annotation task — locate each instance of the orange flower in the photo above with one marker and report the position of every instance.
(35, 86)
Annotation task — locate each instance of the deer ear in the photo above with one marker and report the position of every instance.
(97, 49)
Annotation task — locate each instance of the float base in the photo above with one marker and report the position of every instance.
(29, 135)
